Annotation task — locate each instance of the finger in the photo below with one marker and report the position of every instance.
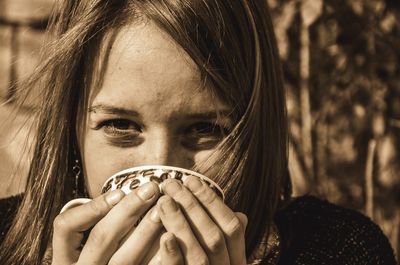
(206, 231)
(175, 222)
(153, 256)
(108, 233)
(70, 225)
(170, 251)
(243, 219)
(223, 216)
(154, 260)
(139, 242)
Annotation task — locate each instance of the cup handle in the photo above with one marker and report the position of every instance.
(73, 203)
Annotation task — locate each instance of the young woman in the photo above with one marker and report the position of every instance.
(194, 84)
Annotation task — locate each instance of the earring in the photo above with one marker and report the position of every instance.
(76, 170)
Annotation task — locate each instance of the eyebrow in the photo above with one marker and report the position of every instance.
(107, 109)
(112, 110)
(208, 115)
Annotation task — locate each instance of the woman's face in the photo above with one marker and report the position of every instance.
(152, 108)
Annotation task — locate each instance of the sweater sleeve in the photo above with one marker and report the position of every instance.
(8, 209)
(318, 232)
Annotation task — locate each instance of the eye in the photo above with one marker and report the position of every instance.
(205, 128)
(203, 135)
(120, 127)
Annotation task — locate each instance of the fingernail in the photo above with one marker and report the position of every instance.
(194, 184)
(154, 216)
(147, 191)
(171, 187)
(170, 243)
(168, 205)
(114, 197)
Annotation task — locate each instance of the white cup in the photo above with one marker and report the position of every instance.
(73, 203)
(131, 178)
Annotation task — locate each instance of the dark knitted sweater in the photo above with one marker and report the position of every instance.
(312, 232)
(318, 232)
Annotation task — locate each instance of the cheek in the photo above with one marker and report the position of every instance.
(100, 161)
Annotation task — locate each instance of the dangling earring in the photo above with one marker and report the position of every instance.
(76, 170)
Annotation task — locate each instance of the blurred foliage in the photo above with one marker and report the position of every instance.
(354, 100)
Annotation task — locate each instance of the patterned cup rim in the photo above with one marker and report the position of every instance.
(162, 167)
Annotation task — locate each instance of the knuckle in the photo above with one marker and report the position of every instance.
(202, 260)
(181, 224)
(209, 197)
(134, 205)
(99, 207)
(243, 219)
(234, 228)
(126, 207)
(187, 201)
(215, 242)
(98, 236)
(60, 223)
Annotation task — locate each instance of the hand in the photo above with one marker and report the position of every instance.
(201, 228)
(113, 238)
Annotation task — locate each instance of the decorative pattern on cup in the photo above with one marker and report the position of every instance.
(130, 179)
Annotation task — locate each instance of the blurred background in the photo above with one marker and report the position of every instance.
(342, 74)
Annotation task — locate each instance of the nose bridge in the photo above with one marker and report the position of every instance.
(160, 149)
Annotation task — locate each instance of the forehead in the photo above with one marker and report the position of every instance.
(143, 60)
(144, 48)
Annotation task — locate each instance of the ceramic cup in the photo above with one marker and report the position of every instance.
(73, 203)
(130, 179)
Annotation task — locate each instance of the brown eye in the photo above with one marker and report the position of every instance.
(120, 127)
(203, 135)
(205, 128)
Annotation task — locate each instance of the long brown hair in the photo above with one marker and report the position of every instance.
(233, 45)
